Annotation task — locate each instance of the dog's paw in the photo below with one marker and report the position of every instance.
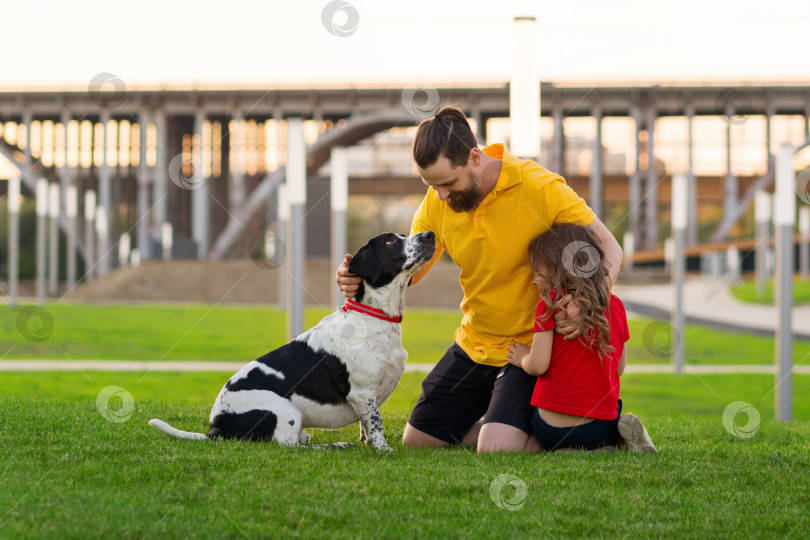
(303, 438)
(384, 448)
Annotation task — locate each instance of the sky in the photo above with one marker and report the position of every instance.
(420, 41)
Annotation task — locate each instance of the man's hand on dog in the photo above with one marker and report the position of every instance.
(348, 283)
(568, 319)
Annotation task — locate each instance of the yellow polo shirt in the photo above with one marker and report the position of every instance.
(490, 245)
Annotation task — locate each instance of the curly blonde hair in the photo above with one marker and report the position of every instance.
(573, 257)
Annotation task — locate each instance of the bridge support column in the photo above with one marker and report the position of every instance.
(53, 245)
(651, 194)
(69, 200)
(635, 183)
(200, 197)
(144, 236)
(297, 196)
(160, 180)
(340, 205)
(104, 201)
(691, 227)
(42, 223)
(237, 175)
(730, 186)
(558, 141)
(89, 233)
(595, 187)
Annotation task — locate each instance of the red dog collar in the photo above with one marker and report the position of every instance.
(368, 310)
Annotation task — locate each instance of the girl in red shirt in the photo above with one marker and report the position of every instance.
(576, 396)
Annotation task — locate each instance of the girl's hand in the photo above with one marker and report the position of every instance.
(517, 352)
(569, 318)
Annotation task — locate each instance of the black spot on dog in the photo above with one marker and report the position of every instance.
(315, 375)
(255, 424)
(291, 422)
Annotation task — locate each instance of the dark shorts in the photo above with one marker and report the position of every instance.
(459, 391)
(590, 436)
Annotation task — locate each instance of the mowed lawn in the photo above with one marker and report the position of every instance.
(68, 472)
(227, 333)
(79, 459)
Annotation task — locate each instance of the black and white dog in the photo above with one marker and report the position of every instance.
(336, 373)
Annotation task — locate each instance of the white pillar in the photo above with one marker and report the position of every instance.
(692, 237)
(200, 196)
(124, 250)
(104, 202)
(524, 90)
(297, 194)
(680, 200)
(42, 224)
(166, 240)
(784, 218)
(161, 177)
(71, 210)
(651, 191)
(340, 204)
(13, 197)
(762, 219)
(144, 239)
(804, 242)
(596, 166)
(53, 256)
(283, 235)
(629, 249)
(89, 234)
(102, 234)
(69, 197)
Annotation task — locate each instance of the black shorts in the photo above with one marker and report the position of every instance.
(459, 391)
(590, 436)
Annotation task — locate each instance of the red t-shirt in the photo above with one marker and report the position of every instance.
(575, 382)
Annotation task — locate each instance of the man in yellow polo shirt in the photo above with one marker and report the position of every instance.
(484, 207)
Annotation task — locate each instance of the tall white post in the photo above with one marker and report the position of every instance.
(524, 89)
(283, 234)
(71, 210)
(200, 197)
(166, 240)
(102, 234)
(784, 219)
(124, 250)
(70, 202)
(89, 234)
(680, 199)
(144, 239)
(340, 205)
(53, 256)
(13, 197)
(104, 201)
(160, 181)
(804, 242)
(629, 249)
(297, 194)
(42, 224)
(595, 186)
(762, 219)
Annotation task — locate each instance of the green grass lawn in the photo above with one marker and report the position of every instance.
(747, 292)
(169, 332)
(67, 472)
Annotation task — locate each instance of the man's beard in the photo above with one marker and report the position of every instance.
(467, 200)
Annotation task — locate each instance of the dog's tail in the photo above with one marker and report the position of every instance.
(163, 427)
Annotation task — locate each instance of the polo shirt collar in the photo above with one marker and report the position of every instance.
(510, 166)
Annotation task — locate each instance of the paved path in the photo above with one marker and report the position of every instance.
(710, 302)
(233, 367)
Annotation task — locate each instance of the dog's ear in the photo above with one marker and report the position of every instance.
(366, 264)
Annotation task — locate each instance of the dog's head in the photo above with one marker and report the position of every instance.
(388, 255)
